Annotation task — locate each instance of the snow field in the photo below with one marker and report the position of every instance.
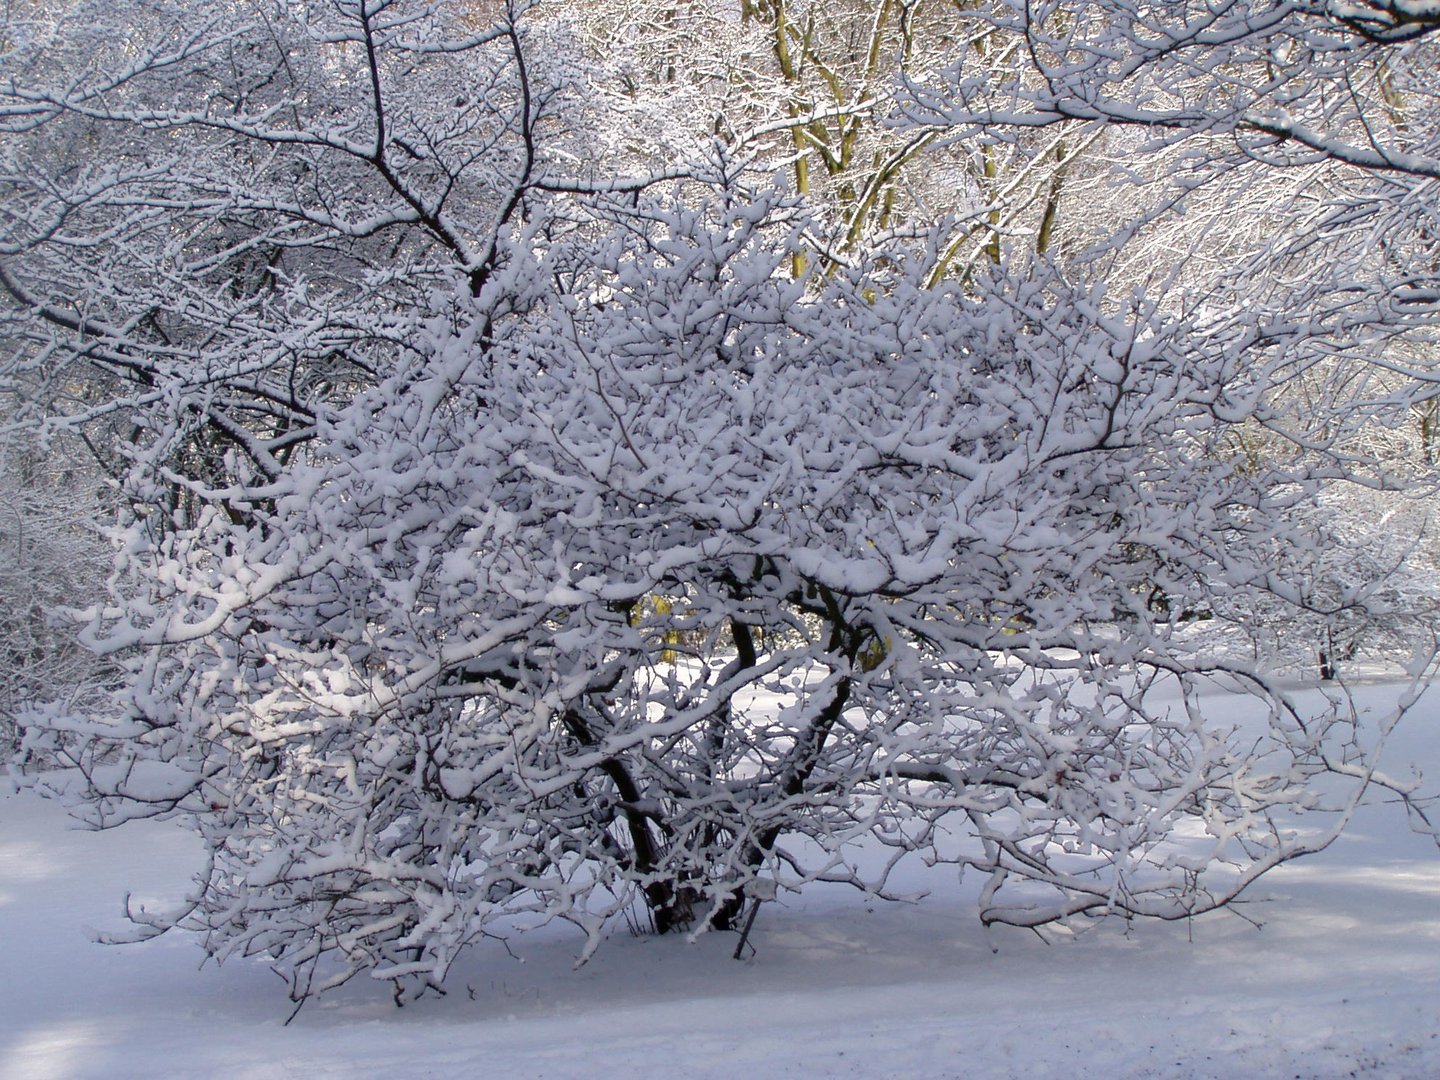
(1343, 979)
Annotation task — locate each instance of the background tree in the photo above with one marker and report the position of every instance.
(1221, 98)
(220, 219)
(1283, 158)
(53, 556)
(809, 90)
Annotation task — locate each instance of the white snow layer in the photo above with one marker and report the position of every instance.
(1343, 980)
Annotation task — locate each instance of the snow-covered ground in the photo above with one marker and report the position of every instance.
(1343, 980)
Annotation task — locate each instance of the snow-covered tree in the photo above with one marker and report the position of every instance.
(810, 89)
(221, 215)
(1281, 159)
(522, 543)
(1223, 97)
(52, 558)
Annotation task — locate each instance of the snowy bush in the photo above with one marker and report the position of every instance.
(408, 699)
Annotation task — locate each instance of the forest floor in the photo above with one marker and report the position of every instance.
(1341, 980)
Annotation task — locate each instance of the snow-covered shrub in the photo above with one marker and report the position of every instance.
(406, 696)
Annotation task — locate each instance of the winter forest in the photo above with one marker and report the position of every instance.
(486, 465)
